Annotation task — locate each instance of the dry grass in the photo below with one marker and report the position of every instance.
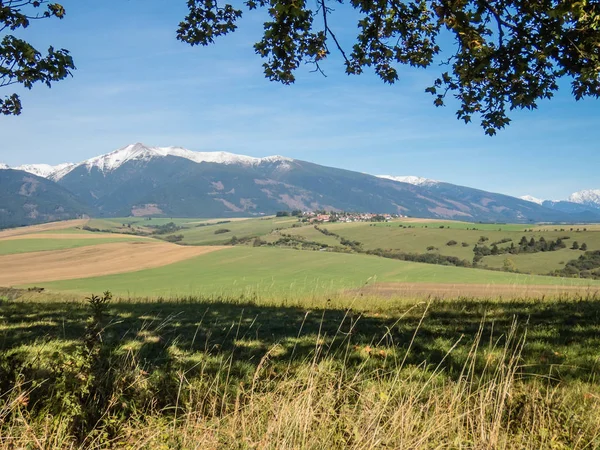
(62, 225)
(76, 236)
(91, 261)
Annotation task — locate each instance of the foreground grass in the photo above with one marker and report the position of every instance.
(290, 273)
(446, 374)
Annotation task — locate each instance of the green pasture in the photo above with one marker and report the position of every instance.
(14, 246)
(205, 235)
(291, 273)
(458, 225)
(417, 240)
(73, 230)
(538, 263)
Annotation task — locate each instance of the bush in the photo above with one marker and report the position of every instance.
(174, 238)
(222, 231)
(451, 243)
(167, 228)
(465, 244)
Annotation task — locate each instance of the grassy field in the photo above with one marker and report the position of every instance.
(458, 225)
(290, 273)
(416, 240)
(8, 247)
(205, 235)
(463, 373)
(274, 348)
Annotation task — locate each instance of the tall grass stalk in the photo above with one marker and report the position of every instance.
(323, 400)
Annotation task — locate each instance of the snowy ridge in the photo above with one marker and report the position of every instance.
(532, 199)
(139, 152)
(44, 170)
(410, 179)
(586, 197)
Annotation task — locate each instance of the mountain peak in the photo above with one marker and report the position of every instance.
(532, 199)
(586, 197)
(410, 179)
(141, 152)
(44, 170)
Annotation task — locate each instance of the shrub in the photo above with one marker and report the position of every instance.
(174, 238)
(451, 243)
(222, 231)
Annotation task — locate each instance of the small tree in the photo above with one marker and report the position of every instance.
(509, 265)
(575, 246)
(583, 247)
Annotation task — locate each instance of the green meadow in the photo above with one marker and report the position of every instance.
(270, 347)
(419, 237)
(14, 246)
(286, 272)
(205, 235)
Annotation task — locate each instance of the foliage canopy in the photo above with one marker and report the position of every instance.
(503, 55)
(20, 62)
(506, 54)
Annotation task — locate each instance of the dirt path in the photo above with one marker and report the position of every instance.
(93, 261)
(43, 227)
(442, 290)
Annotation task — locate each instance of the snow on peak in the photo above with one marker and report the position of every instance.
(532, 199)
(410, 179)
(139, 152)
(44, 170)
(586, 197)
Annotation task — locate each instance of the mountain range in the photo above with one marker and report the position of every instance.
(175, 182)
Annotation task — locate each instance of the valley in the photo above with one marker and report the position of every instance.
(213, 300)
(139, 181)
(283, 257)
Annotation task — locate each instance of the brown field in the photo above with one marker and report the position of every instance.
(71, 236)
(441, 290)
(91, 261)
(43, 227)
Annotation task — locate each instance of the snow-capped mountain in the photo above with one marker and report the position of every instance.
(410, 179)
(532, 199)
(176, 182)
(589, 197)
(45, 170)
(140, 152)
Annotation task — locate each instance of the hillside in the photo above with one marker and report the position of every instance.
(27, 199)
(137, 180)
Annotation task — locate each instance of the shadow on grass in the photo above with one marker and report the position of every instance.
(562, 337)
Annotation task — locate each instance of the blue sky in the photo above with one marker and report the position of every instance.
(136, 83)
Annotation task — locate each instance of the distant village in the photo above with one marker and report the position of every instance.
(338, 216)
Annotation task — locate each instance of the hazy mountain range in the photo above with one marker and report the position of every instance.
(175, 182)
